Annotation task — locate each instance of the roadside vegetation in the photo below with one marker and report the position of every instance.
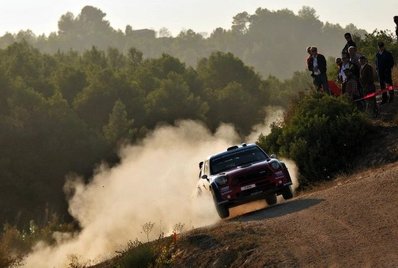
(321, 133)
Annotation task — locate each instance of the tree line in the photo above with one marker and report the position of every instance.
(273, 42)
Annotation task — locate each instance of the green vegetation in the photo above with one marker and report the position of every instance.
(273, 42)
(322, 134)
(15, 244)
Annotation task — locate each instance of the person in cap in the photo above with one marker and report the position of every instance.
(384, 65)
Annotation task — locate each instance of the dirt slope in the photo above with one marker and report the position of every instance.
(351, 223)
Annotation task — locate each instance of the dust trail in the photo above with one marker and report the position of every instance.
(274, 114)
(153, 183)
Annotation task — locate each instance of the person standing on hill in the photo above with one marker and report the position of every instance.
(346, 64)
(309, 61)
(318, 68)
(349, 43)
(352, 87)
(396, 27)
(384, 64)
(339, 65)
(366, 79)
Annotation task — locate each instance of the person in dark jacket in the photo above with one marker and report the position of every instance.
(309, 61)
(349, 43)
(384, 64)
(396, 27)
(317, 66)
(366, 79)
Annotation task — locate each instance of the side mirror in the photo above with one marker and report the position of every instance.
(273, 156)
(205, 177)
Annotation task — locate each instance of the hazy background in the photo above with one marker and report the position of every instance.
(202, 16)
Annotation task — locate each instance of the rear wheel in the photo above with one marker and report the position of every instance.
(287, 193)
(271, 199)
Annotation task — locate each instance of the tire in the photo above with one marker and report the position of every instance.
(271, 199)
(222, 211)
(287, 193)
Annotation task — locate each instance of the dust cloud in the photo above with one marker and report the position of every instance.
(154, 182)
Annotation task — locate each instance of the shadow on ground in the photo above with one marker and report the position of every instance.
(279, 210)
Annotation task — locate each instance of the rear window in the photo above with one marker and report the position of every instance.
(235, 159)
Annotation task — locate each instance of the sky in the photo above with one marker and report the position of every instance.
(41, 16)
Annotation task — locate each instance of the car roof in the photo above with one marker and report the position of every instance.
(233, 149)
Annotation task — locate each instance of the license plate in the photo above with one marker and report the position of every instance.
(247, 187)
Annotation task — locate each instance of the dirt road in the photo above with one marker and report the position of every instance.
(352, 222)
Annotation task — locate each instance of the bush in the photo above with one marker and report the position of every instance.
(322, 134)
(138, 255)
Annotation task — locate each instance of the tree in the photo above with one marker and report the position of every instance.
(66, 23)
(118, 124)
(173, 100)
(70, 81)
(308, 13)
(240, 23)
(164, 32)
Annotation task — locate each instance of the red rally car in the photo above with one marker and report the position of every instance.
(243, 174)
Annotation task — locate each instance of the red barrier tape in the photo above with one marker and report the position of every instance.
(379, 92)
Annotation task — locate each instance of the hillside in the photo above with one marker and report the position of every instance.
(350, 221)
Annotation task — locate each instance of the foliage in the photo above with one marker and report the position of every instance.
(273, 42)
(154, 254)
(147, 228)
(368, 45)
(15, 243)
(141, 255)
(322, 134)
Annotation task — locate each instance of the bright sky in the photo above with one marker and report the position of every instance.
(41, 16)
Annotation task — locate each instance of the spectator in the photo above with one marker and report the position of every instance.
(309, 61)
(354, 59)
(352, 88)
(319, 71)
(349, 43)
(354, 55)
(367, 82)
(346, 64)
(384, 64)
(396, 27)
(339, 64)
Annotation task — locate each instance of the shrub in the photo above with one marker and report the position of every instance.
(321, 133)
(137, 255)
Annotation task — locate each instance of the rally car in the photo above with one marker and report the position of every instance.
(241, 174)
